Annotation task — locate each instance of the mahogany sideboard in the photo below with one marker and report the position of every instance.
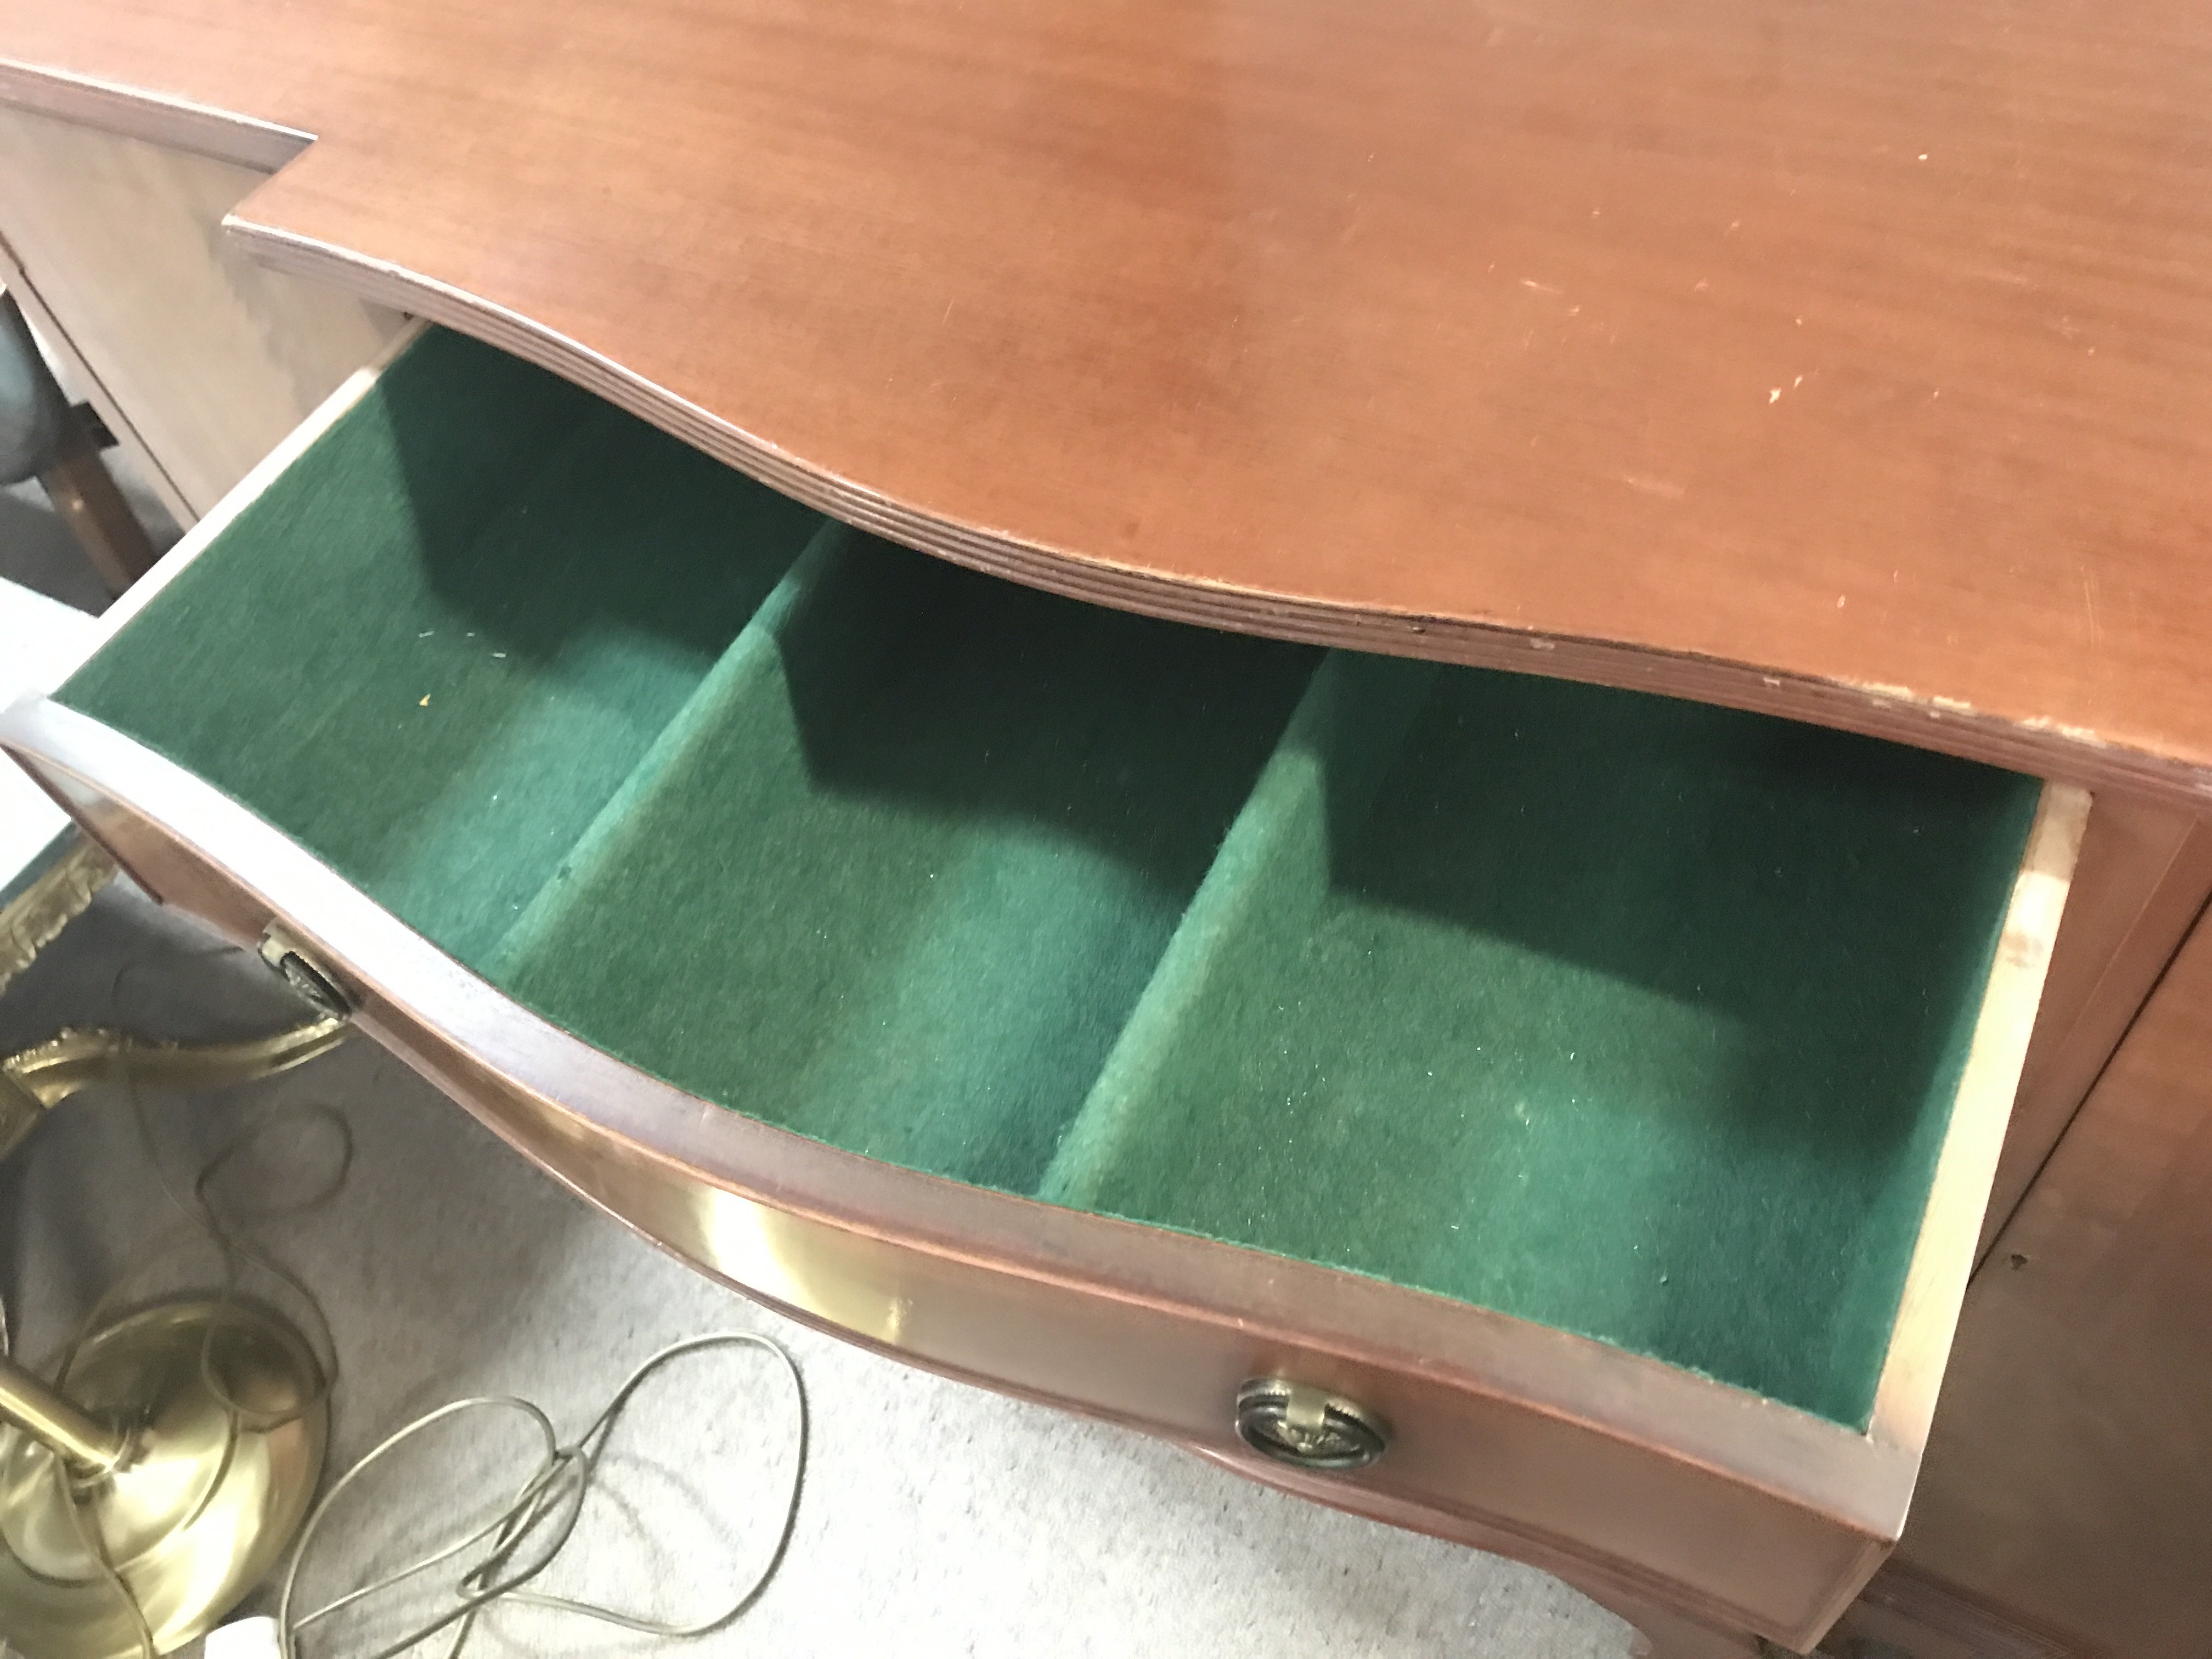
(1718, 388)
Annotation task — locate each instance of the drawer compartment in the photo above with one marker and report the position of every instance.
(1634, 1017)
(1590, 1084)
(898, 872)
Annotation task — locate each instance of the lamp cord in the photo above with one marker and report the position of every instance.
(553, 1495)
(546, 1507)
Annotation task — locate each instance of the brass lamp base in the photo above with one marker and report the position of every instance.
(226, 1420)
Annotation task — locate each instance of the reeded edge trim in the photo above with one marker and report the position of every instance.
(154, 117)
(1666, 1413)
(1894, 713)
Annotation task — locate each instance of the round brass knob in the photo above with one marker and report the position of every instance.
(1310, 1428)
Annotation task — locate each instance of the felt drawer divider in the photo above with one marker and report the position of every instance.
(896, 873)
(735, 678)
(1632, 1017)
(1266, 880)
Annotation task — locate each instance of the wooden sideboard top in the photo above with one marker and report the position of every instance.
(1852, 363)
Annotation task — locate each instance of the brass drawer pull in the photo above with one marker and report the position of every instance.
(301, 972)
(1297, 1424)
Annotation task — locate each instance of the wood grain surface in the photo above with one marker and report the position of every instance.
(1852, 363)
(2069, 1471)
(2143, 876)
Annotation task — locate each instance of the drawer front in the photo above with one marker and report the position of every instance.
(1262, 922)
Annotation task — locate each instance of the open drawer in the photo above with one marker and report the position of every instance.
(1584, 1099)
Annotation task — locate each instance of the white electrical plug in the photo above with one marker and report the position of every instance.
(244, 1638)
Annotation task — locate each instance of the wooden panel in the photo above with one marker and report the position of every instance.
(2068, 1476)
(1902, 1613)
(209, 359)
(79, 382)
(1835, 360)
(2143, 876)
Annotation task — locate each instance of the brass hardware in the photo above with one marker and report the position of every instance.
(93, 1447)
(142, 1499)
(41, 1077)
(303, 973)
(1297, 1424)
(150, 1525)
(54, 898)
(44, 1076)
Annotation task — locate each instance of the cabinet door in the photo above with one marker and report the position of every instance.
(200, 359)
(2068, 1475)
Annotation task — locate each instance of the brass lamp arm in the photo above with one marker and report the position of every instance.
(93, 1447)
(45, 1075)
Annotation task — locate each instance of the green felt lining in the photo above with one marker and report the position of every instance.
(1648, 1010)
(1630, 1017)
(940, 829)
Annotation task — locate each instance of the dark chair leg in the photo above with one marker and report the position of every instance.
(84, 493)
(42, 436)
